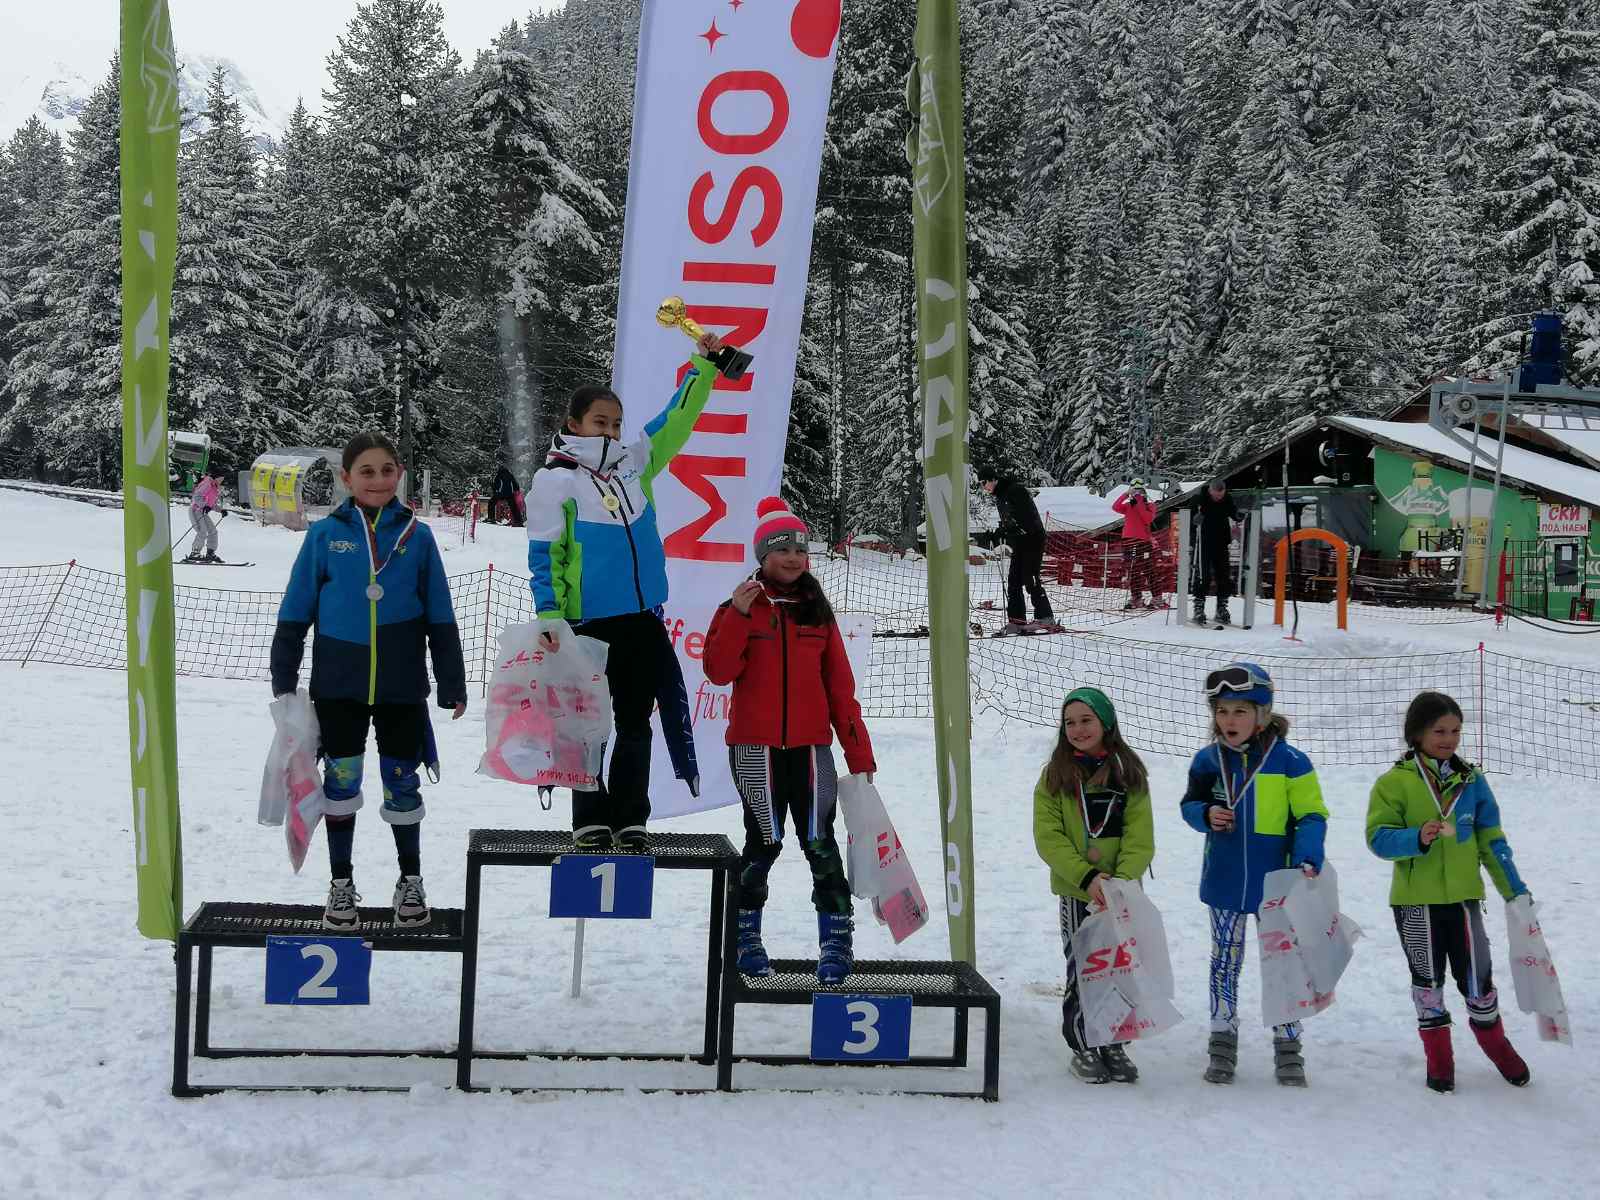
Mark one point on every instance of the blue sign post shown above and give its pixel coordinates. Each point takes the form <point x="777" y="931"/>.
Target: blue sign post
<point x="846" y="1028"/>
<point x="318" y="970"/>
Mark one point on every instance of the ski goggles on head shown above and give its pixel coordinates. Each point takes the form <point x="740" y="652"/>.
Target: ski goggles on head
<point x="1236" y="678"/>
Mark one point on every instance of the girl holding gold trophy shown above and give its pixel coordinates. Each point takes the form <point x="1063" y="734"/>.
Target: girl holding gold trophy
<point x="597" y="567"/>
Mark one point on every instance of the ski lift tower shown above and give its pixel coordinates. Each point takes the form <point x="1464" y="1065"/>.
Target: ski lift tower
<point x="1534" y="388"/>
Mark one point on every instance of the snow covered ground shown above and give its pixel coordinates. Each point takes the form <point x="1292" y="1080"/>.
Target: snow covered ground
<point x="87" y="1005"/>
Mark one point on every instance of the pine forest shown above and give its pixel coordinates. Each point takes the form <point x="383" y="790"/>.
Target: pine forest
<point x="1190" y="222"/>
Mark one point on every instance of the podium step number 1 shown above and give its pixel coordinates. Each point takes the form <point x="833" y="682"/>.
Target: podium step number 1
<point x="318" y="970"/>
<point x="610" y="887"/>
<point x="847" y="1028"/>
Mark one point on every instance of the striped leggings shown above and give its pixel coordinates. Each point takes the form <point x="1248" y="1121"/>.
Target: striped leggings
<point x="1437" y="936"/>
<point x="1227" y="957"/>
<point x="799" y="782"/>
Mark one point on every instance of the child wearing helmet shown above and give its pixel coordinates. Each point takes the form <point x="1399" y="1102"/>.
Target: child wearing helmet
<point x="1257" y="800"/>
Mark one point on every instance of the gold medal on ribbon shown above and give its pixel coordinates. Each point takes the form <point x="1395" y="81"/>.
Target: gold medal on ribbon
<point x="611" y="502"/>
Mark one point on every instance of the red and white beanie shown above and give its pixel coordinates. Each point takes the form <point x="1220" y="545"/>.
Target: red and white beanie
<point x="777" y="528"/>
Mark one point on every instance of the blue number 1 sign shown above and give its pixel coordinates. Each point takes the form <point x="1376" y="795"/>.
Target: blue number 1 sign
<point x="318" y="970"/>
<point x="604" y="886"/>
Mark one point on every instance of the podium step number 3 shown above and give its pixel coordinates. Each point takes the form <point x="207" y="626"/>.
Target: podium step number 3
<point x="318" y="970"/>
<point x="847" y="1028"/>
<point x="609" y="887"/>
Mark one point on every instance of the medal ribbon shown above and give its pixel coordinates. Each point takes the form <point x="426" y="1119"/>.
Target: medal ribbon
<point x="1091" y="832"/>
<point x="372" y="544"/>
<point x="1234" y="797"/>
<point x="1427" y="778"/>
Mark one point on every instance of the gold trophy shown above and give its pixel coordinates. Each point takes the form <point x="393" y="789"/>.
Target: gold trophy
<point x="673" y="314"/>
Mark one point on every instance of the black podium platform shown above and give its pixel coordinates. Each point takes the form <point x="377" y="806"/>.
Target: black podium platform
<point x="250" y="925"/>
<point x="672" y="852"/>
<point x="951" y="985"/>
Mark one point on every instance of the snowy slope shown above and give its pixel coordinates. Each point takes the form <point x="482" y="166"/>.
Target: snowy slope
<point x="88" y="1005"/>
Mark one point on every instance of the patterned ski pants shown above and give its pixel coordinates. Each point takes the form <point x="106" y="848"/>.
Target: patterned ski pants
<point x="800" y="781"/>
<point x="1227" y="957"/>
<point x="1439" y="935"/>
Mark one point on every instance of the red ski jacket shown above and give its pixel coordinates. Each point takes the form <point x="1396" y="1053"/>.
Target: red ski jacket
<point x="790" y="681"/>
<point x="1137" y="513"/>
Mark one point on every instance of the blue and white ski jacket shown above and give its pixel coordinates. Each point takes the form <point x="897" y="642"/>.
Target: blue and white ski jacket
<point x="1280" y="820"/>
<point x="593" y="546"/>
<point x="369" y="650"/>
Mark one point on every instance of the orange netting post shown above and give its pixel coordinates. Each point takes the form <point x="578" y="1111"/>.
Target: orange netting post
<point x="1341" y="552"/>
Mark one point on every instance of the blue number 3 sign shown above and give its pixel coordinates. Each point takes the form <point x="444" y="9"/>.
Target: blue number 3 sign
<point x="848" y="1028"/>
<point x="318" y="970"/>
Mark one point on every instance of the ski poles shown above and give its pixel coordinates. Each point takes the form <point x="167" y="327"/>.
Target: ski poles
<point x="190" y="530"/>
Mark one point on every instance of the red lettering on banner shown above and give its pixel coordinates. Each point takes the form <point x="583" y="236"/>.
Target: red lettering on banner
<point x="695" y="644"/>
<point x="759" y="274"/>
<point x="695" y="472"/>
<point x="735" y="424"/>
<point x="744" y="325"/>
<point x="731" y="82"/>
<point x="757" y="179"/>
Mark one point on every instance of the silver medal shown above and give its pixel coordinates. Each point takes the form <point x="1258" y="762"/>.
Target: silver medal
<point x="374" y="592"/>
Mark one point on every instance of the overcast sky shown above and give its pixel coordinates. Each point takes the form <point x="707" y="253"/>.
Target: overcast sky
<point x="281" y="45"/>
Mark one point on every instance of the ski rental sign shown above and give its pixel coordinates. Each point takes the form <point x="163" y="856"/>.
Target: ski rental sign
<point x="938" y="209"/>
<point x="149" y="169"/>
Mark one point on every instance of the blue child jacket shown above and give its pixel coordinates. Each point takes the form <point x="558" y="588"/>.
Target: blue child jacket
<point x="1280" y="821"/>
<point x="369" y="650"/>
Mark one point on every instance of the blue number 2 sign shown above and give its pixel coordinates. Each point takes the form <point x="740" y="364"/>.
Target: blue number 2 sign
<point x="318" y="970"/>
<point x="848" y="1028"/>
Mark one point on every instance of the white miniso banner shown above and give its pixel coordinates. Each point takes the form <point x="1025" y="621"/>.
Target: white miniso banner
<point x="729" y="108"/>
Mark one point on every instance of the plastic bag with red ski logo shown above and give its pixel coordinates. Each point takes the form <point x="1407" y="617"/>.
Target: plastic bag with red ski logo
<point x="1533" y="974"/>
<point x="291" y="785"/>
<point x="877" y="864"/>
<point x="549" y="711"/>
<point x="1125" y="982"/>
<point x="1305" y="943"/>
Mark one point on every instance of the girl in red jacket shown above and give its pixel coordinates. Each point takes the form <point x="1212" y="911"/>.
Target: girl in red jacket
<point x="775" y="640"/>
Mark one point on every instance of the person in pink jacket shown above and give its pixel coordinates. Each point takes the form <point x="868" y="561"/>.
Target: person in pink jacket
<point x="1138" y="551"/>
<point x="206" y="499"/>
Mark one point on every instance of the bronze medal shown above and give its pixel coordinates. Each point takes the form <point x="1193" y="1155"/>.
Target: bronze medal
<point x="1093" y="854"/>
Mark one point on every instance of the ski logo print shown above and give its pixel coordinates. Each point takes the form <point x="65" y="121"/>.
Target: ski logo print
<point x="342" y="547"/>
<point x="932" y="157"/>
<point x="158" y="71"/>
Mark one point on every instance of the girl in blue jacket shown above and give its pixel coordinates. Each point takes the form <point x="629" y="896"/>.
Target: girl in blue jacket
<point x="1257" y="800"/>
<point x="596" y="565"/>
<point x="370" y="578"/>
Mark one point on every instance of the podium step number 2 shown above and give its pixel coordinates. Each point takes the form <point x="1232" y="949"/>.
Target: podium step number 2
<point x="610" y="887"/>
<point x="848" y="1028"/>
<point x="318" y="970"/>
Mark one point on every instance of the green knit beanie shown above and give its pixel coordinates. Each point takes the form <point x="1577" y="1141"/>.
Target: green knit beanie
<point x="1098" y="703"/>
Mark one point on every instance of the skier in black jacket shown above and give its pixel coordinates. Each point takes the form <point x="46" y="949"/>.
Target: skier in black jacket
<point x="1023" y="531"/>
<point x="1216" y="515"/>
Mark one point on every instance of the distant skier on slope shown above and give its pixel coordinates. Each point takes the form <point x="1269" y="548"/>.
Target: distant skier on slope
<point x="206" y="499"/>
<point x="1023" y="531"/>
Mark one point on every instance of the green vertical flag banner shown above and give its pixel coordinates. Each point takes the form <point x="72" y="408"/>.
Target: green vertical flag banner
<point x="934" y="147"/>
<point x="149" y="165"/>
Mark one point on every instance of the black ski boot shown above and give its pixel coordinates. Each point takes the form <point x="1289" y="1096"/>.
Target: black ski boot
<point x="1118" y="1065"/>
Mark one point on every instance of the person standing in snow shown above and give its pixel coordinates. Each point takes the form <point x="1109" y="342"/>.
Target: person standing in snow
<point x="1217" y="517"/>
<point x="370" y="578"/>
<point x="508" y="491"/>
<point x="597" y="567"/>
<point x="1434" y="816"/>
<point x="1257" y="800"/>
<point x="776" y="642"/>
<point x="1023" y="531"/>
<point x="1138" y="546"/>
<point x="206" y="499"/>
<point x="1091" y="822"/>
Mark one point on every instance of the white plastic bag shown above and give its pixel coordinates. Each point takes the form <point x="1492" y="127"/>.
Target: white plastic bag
<point x="1305" y="942"/>
<point x="1533" y="974"/>
<point x="549" y="711"/>
<point x="291" y="785"/>
<point x="1125" y="980"/>
<point x="876" y="863"/>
